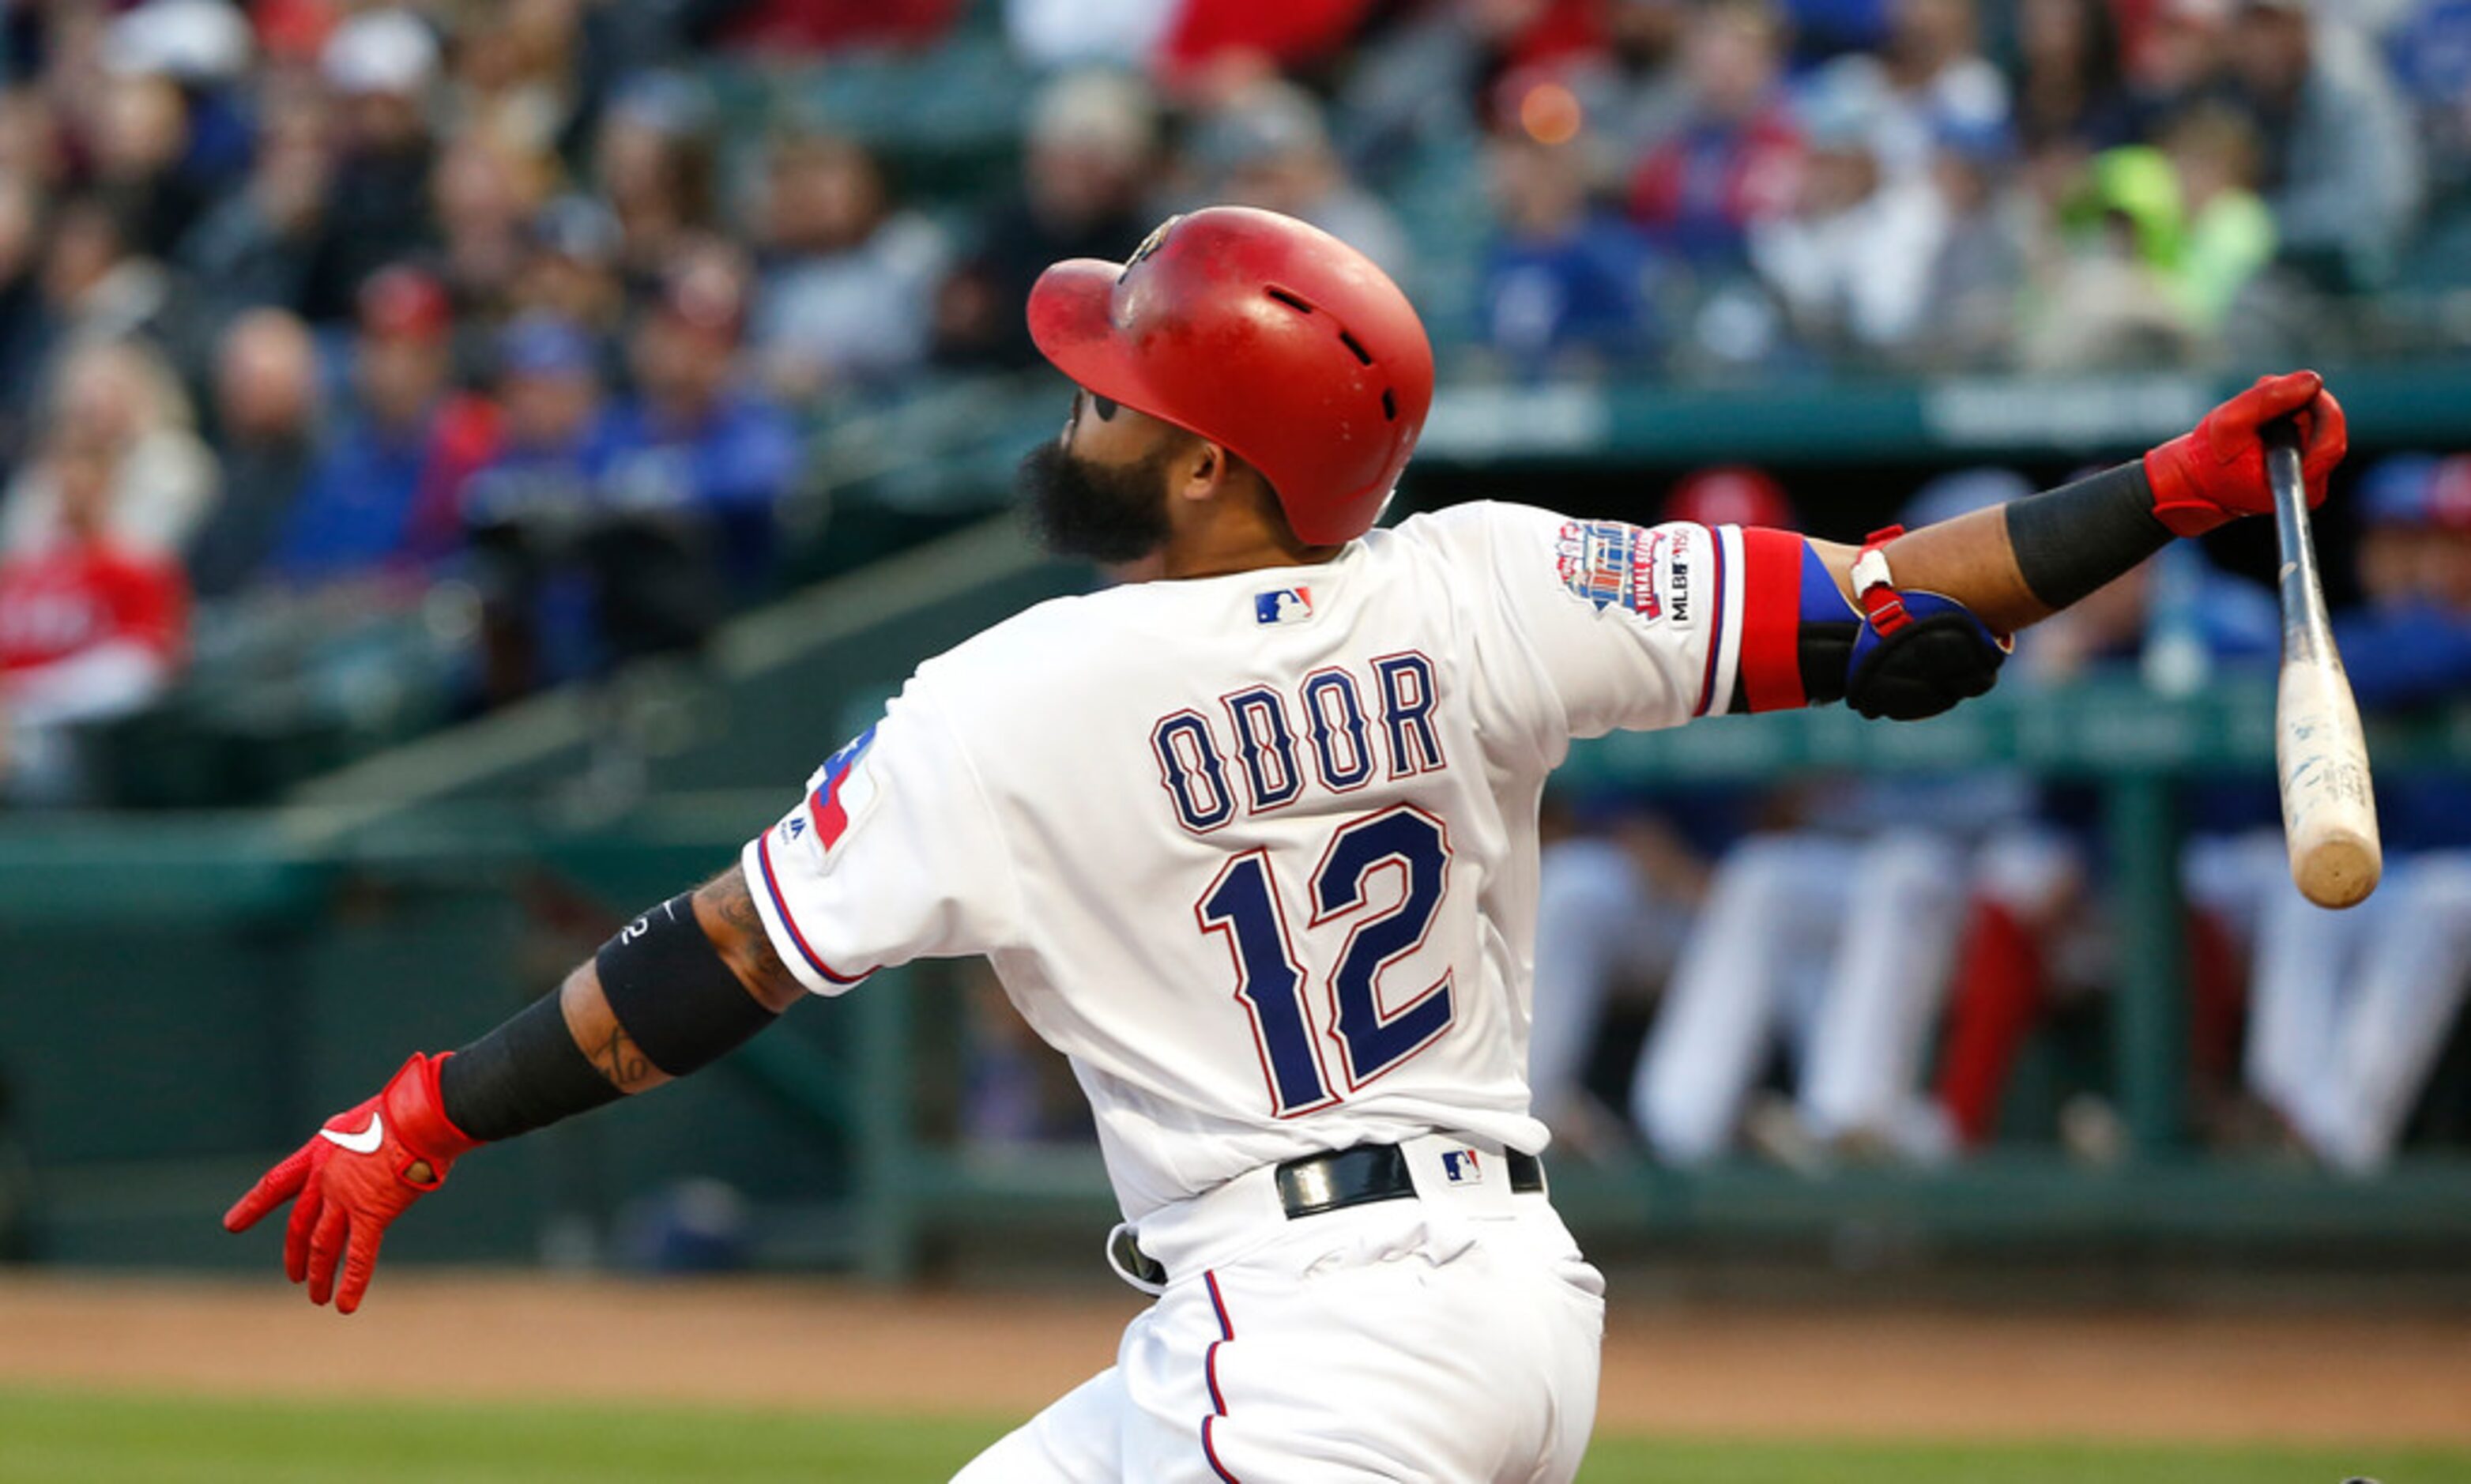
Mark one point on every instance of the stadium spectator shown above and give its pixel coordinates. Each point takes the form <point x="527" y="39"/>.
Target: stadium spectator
<point x="2431" y="55"/>
<point x="1929" y="72"/>
<point x="1092" y="142"/>
<point x="531" y="509"/>
<point x="383" y="495"/>
<point x="202" y="51"/>
<point x="382" y="64"/>
<point x="514" y="88"/>
<point x="259" y="246"/>
<point x="32" y="146"/>
<point x="90" y="628"/>
<point x="96" y="287"/>
<point x="2067" y="82"/>
<point x="654" y="162"/>
<point x="1969" y="318"/>
<point x="141" y="144"/>
<point x="202" y="45"/>
<point x="2342" y="169"/>
<point x="550" y="398"/>
<point x="2178" y="58"/>
<point x="1850" y="262"/>
<point x="25" y="327"/>
<point x="1563" y="286"/>
<point x="847" y="295"/>
<point x="2107" y="293"/>
<point x="2228" y="236"/>
<point x="487" y="196"/>
<point x="1736" y="157"/>
<point x="1651" y="73"/>
<point x="696" y="443"/>
<point x="1268" y="145"/>
<point x="118" y="399"/>
<point x="572" y="271"/>
<point x="267" y="430"/>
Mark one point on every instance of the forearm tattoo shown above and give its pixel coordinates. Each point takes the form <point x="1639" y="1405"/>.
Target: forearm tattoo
<point x="744" y="942"/>
<point x="617" y="1058"/>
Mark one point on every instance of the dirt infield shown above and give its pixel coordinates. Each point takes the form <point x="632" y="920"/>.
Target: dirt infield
<point x="825" y="1345"/>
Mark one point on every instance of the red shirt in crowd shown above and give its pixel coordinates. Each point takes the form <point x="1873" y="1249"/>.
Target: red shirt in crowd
<point x="1700" y="190"/>
<point x="80" y="596"/>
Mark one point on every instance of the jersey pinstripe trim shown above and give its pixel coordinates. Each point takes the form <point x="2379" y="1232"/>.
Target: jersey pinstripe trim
<point x="1724" y="644"/>
<point x="1210" y="1374"/>
<point x="774" y="909"/>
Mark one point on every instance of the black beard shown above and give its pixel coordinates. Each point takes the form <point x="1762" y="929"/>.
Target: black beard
<point x="1104" y="513"/>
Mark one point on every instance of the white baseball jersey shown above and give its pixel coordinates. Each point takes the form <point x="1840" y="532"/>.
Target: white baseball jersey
<point x="1257" y="851"/>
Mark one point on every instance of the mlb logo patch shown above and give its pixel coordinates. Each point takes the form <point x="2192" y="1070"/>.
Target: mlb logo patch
<point x="1459" y="1166"/>
<point x="1285" y="605"/>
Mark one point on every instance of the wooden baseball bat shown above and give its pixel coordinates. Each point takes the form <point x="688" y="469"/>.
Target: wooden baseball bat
<point x="2329" y="805"/>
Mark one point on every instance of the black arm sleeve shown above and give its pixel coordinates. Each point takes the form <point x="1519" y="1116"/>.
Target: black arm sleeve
<point x="669" y="990"/>
<point x="2077" y="537"/>
<point x="525" y="1074"/>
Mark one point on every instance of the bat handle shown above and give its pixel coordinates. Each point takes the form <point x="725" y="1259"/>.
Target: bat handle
<point x="2303" y="590"/>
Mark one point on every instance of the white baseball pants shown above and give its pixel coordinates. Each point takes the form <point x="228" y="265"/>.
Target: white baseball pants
<point x="1451" y="1338"/>
<point x="1599" y="923"/>
<point x="1845" y="943"/>
<point x="2348" y="1010"/>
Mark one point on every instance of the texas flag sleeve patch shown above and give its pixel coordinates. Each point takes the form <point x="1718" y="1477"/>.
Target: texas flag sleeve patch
<point x="840" y="790"/>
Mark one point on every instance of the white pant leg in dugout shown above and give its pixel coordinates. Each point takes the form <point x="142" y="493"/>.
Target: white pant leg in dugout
<point x="1863" y="1071"/>
<point x="1598" y="921"/>
<point x="2303" y="956"/>
<point x="2414" y="972"/>
<point x="1385" y="1342"/>
<point x="1775" y="900"/>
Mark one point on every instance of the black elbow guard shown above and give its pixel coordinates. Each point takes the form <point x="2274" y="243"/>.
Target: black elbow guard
<point x="1940" y="655"/>
<point x="1917" y="653"/>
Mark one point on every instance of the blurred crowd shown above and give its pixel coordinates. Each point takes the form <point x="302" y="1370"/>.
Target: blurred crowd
<point x="492" y="320"/>
<point x="2051" y="186"/>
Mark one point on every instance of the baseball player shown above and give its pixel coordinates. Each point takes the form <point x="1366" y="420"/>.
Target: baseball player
<point x="1254" y="843"/>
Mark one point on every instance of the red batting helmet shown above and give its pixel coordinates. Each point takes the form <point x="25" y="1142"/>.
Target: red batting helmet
<point x="1261" y="334"/>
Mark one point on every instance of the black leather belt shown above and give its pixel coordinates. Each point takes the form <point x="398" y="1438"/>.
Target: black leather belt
<point x="1357" y="1176"/>
<point x="1372" y="1172"/>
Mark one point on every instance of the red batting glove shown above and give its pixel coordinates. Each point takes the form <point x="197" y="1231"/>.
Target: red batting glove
<point x="2204" y="478"/>
<point x="354" y="1179"/>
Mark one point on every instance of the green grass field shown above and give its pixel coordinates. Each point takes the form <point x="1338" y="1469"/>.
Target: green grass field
<point x="84" y="1438"/>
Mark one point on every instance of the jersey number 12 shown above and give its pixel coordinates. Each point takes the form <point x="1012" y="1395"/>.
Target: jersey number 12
<point x="1244" y="904"/>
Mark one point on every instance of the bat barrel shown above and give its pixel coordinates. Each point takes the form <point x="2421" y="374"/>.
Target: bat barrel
<point x="2329" y="816"/>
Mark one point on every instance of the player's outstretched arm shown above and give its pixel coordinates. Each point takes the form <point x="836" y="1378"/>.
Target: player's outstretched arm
<point x="678" y="987"/>
<point x="1931" y="609"/>
<point x="2016" y="564"/>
